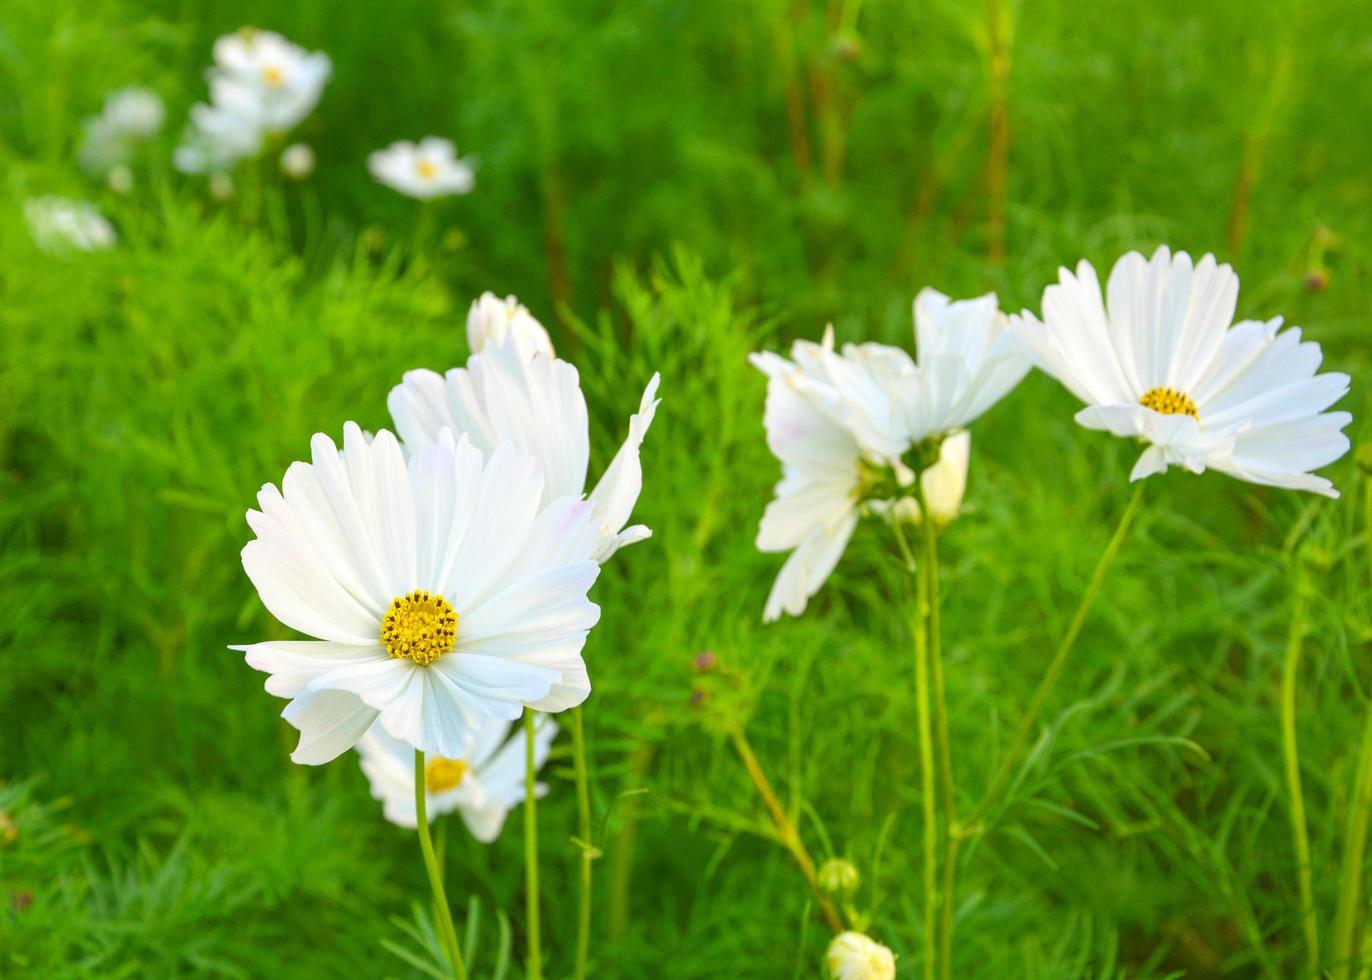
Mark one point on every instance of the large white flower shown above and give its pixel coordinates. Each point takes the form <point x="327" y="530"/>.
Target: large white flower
<point x="427" y="169"/>
<point x="483" y="785"/>
<point x="853" y="956"/>
<point x="263" y="75"/>
<point x="61" y="225"/>
<point x="443" y="592"/>
<point x="533" y="401"/>
<point x="492" y="319"/>
<point x="1160" y="358"/>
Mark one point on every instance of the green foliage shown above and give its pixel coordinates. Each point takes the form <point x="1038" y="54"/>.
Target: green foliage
<point x="643" y="189"/>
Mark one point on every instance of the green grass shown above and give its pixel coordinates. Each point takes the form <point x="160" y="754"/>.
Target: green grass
<point x="640" y="189"/>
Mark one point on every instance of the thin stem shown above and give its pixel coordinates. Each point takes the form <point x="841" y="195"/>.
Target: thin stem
<point x="1346" y="946"/>
<point x="583" y="807"/>
<point x="447" y="933"/>
<point x="1050" y="677"/>
<point x="786" y="830"/>
<point x="1291" y="755"/>
<point x="534" y="967"/>
<point x="920" y="624"/>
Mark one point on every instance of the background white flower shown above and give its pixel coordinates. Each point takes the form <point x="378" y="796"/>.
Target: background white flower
<point x="297" y="161"/>
<point x="853" y="956"/>
<point x="216" y="139"/>
<point x="62" y="225"/>
<point x="1159" y="358"/>
<point x="483" y="786"/>
<point x="277" y="82"/>
<point x="491" y="319"/>
<point x="427" y="169"/>
<point x="131" y="116"/>
<point x="442" y="592"/>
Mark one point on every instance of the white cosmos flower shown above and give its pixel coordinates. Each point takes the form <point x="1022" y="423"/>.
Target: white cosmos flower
<point x="297" y="161"/>
<point x="1160" y="358"/>
<point x="944" y="484"/>
<point x="62" y="225"/>
<point x="483" y="785"/>
<point x="130" y="116"/>
<point x="267" y="78"/>
<point x="491" y="319"/>
<point x="427" y="169"/>
<point x="443" y="591"/>
<point x="853" y="956"/>
<point x="533" y="401"/>
<point x="216" y="139"/>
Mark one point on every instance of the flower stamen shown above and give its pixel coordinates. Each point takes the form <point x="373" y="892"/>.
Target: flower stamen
<point x="441" y="775"/>
<point x="1169" y="401"/>
<point x="273" y="75"/>
<point x="426" y="169"/>
<point x="419" y="627"/>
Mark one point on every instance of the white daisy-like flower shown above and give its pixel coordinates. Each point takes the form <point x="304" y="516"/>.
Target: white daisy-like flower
<point x="944" y="484"/>
<point x="853" y="956"/>
<point x="217" y="138"/>
<point x="297" y="161"/>
<point x="130" y="116"/>
<point x="274" y="81"/>
<point x="443" y="592"/>
<point x="533" y="401"/>
<point x="62" y="225"/>
<point x="1160" y="358"/>
<point x="484" y="785"/>
<point x="492" y="319"/>
<point x="427" y="169"/>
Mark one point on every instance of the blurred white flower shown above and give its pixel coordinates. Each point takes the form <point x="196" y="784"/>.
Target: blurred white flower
<point x="216" y="140"/>
<point x="1159" y="358"/>
<point x="510" y="393"/>
<point x="852" y="956"/>
<point x="427" y="169"/>
<point x="483" y="785"/>
<point x="297" y="161"/>
<point x="274" y="81"/>
<point x="491" y="320"/>
<point x="62" y="225"/>
<point x="443" y="592"/>
<point x="130" y="117"/>
<point x="944" y="484"/>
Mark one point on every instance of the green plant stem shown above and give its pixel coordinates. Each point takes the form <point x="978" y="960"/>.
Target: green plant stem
<point x="920" y="624"/>
<point x="1050" y="677"/>
<point x="534" y="966"/>
<point x="1346" y="945"/>
<point x="447" y="932"/>
<point x="1300" y="837"/>
<point x="585" y="845"/>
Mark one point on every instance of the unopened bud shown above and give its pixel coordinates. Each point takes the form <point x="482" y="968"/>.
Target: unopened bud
<point x="839" y="878"/>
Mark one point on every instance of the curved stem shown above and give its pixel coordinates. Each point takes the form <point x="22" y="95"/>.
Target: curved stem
<point x="583" y="807"/>
<point x="447" y="932"/>
<point x="1050" y="677"/>
<point x="920" y="625"/>
<point x="1300" y="837"/>
<point x="534" y="967"/>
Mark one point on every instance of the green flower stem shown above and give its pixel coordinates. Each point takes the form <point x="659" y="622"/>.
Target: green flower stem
<point x="534" y="967"/>
<point x="1026" y="725"/>
<point x="447" y="933"/>
<point x="588" y="853"/>
<point x="920" y="625"/>
<point x="1346" y="945"/>
<point x="1300" y="837"/>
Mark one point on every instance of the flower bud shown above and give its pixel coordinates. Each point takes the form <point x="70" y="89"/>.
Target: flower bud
<point x="297" y="161"/>
<point x="705" y="661"/>
<point x="852" y="956"/>
<point x="221" y="188"/>
<point x="491" y="320"/>
<point x="839" y="878"/>
<point x="120" y="179"/>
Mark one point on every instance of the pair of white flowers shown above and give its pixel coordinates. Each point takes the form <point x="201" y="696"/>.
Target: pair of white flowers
<point x="260" y="85"/>
<point x="1156" y="357"/>
<point x="444" y="577"/>
<point x="60" y="225"/>
<point x="131" y="117"/>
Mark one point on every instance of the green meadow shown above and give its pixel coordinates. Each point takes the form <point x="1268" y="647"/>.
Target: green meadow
<point x="669" y="186"/>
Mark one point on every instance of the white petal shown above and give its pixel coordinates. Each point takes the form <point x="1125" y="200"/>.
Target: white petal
<point x="330" y="723"/>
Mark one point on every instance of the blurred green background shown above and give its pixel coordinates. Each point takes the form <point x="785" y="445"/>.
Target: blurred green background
<point x="669" y="185"/>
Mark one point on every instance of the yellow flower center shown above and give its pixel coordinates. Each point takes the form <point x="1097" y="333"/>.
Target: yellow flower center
<point x="419" y="627"/>
<point x="273" y="75"/>
<point x="426" y="169"/>
<point x="1169" y="401"/>
<point x="441" y="775"/>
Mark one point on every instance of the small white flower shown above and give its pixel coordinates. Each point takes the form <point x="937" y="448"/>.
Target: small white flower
<point x="427" y="169"/>
<point x="509" y="392"/>
<point x="1160" y="358"/>
<point x="852" y="956"/>
<point x="217" y="138"/>
<point x="130" y="116"/>
<point x="62" y="225"/>
<point x="483" y="785"/>
<point x="297" y="161"/>
<point x="491" y="320"/>
<point x="944" y="484"/>
<point x="443" y="592"/>
<point x="280" y="81"/>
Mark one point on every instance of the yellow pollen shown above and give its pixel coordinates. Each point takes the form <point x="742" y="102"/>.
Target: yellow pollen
<point x="441" y="775"/>
<point x="426" y="169"/>
<point x="1169" y="401"/>
<point x="273" y="75"/>
<point x="419" y="627"/>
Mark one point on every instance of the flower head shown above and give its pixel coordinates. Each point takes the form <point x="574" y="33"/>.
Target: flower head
<point x="443" y="592"/>
<point x="217" y="138"/>
<point x="130" y="116"/>
<point x="427" y="169"/>
<point x="297" y="161"/>
<point x="852" y="956"/>
<point x="62" y="225"/>
<point x="491" y="320"/>
<point x="1159" y="358"/>
<point x="943" y="483"/>
<point x="483" y="786"/>
<point x="276" y="82"/>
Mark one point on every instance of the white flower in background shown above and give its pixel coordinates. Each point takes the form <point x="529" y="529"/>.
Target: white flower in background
<point x="508" y="393"/>
<point x="131" y="116"/>
<point x="62" y="225"/>
<point x="275" y="82"/>
<point x="944" y="484"/>
<point x="216" y="139"/>
<point x="297" y="161"/>
<point x="427" y="169"/>
<point x="1160" y="358"/>
<point x="443" y="592"/>
<point x="483" y="785"/>
<point x="491" y="320"/>
<point x="852" y="956"/>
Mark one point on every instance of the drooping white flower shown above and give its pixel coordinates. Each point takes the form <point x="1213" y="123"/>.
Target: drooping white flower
<point x="853" y="956"/>
<point x="267" y="78"/>
<point x="62" y="225"/>
<point x="443" y="592"/>
<point x="944" y="484"/>
<point x="427" y="169"/>
<point x="535" y="402"/>
<point x="297" y="161"/>
<point x="1160" y="358"/>
<point x="130" y="116"/>
<point x="217" y="138"/>
<point x="483" y="785"/>
<point x="491" y="320"/>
